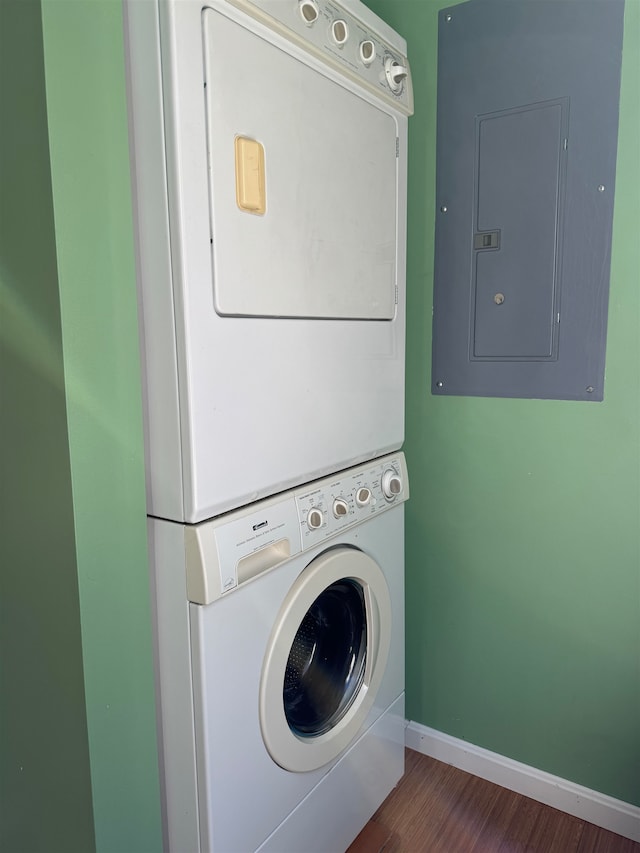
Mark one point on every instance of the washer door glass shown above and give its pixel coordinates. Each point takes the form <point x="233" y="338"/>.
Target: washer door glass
<point x="326" y="664"/>
<point x="325" y="659"/>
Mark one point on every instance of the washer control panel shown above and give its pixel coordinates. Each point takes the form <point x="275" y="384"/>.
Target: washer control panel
<point x="350" y="497"/>
<point x="337" y="36"/>
<point x="230" y="550"/>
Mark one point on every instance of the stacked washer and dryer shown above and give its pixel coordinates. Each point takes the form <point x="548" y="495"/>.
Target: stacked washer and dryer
<point x="269" y="149"/>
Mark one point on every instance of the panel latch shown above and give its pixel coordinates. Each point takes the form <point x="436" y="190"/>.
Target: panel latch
<point x="486" y="240"/>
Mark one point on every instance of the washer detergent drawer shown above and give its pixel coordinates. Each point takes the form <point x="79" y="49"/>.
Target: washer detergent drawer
<point x="302" y="182"/>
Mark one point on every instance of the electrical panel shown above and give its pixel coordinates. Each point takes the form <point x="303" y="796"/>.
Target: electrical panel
<point x="528" y="96"/>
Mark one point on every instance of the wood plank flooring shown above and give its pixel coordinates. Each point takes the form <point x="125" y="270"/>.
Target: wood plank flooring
<point x="440" y="809"/>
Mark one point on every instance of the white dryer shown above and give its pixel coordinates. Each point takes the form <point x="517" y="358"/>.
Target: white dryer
<point x="269" y="146"/>
<point x="281" y="666"/>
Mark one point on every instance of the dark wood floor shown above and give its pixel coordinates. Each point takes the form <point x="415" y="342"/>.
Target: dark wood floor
<point x="439" y="809"/>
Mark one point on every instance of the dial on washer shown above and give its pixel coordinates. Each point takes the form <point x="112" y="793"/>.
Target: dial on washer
<point x="363" y="496"/>
<point x="340" y="508"/>
<point x="391" y="484"/>
<point x="314" y="518"/>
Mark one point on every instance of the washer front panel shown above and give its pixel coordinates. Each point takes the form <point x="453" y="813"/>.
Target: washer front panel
<point x="229" y="642"/>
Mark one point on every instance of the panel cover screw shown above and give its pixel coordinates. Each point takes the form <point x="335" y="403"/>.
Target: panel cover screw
<point x="589" y="389"/>
<point x="498" y="298"/>
<point x="601" y="188"/>
<point x="443" y="208"/>
<point x="438" y="384"/>
<point x="447" y="18"/>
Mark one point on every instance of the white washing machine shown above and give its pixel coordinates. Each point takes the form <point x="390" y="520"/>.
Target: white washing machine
<point x="269" y="148"/>
<point x="280" y="637"/>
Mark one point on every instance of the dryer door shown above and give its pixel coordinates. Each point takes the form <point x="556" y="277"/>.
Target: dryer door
<point x="303" y="184"/>
<point x="325" y="659"/>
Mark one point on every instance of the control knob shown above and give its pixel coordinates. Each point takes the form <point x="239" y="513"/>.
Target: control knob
<point x="395" y="73"/>
<point x="340" y="508"/>
<point x="391" y="484"/>
<point x="314" y="518"/>
<point x="363" y="496"/>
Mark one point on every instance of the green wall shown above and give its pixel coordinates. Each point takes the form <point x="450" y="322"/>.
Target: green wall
<point x="79" y="760"/>
<point x="523" y="529"/>
<point x="45" y="786"/>
<point x="88" y="137"/>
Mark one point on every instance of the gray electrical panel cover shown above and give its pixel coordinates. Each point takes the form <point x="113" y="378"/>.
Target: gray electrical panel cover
<point x="528" y="94"/>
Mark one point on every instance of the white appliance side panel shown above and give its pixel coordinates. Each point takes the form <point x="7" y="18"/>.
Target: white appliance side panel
<point x="325" y="247"/>
<point x="264" y="404"/>
<point x="157" y="320"/>
<point x="229" y="639"/>
<point x="333" y="814"/>
<point x="174" y="691"/>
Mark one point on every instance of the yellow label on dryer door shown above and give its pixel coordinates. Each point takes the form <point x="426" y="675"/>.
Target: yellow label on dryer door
<point x="250" y="183"/>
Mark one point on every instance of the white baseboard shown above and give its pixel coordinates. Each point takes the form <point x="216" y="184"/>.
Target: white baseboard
<point x="591" y="806"/>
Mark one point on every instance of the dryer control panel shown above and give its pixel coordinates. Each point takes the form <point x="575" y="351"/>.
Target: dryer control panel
<point x="333" y="33"/>
<point x="225" y="552"/>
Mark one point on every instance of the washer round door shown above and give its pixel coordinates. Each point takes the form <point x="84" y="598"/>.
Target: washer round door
<point x="325" y="659"/>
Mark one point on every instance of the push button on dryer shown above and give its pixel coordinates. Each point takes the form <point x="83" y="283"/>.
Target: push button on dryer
<point x="309" y="12"/>
<point x="367" y="52"/>
<point x="339" y="32"/>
